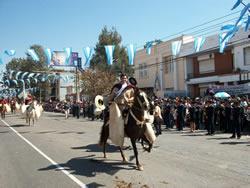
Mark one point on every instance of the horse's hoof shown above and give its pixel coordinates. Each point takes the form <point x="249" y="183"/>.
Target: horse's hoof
<point x="125" y="160"/>
<point x="140" y="167"/>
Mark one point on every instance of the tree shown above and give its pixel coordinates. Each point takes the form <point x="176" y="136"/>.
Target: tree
<point x="96" y="82"/>
<point x="120" y="63"/>
<point x="28" y="64"/>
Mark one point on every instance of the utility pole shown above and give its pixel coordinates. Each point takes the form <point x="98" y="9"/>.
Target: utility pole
<point x="76" y="84"/>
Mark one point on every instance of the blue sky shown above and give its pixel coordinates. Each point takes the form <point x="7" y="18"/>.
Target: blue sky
<point x="57" y="24"/>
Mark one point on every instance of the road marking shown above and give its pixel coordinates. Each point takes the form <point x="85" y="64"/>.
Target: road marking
<point x="81" y="184"/>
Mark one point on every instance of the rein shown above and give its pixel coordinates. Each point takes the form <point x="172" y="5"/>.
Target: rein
<point x="138" y="122"/>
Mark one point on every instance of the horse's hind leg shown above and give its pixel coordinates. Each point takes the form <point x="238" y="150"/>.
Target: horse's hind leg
<point x="144" y="139"/>
<point x="104" y="137"/>
<point x="133" y="142"/>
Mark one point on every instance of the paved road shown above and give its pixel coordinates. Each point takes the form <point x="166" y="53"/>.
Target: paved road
<point x="64" y="153"/>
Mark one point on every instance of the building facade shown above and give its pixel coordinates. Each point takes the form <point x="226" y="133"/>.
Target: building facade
<point x="191" y="73"/>
<point x="211" y="69"/>
<point x="159" y="73"/>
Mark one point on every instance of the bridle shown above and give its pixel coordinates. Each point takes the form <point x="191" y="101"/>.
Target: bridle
<point x="142" y="105"/>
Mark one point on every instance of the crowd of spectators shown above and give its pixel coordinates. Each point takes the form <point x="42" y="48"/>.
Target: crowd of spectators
<point x="229" y="115"/>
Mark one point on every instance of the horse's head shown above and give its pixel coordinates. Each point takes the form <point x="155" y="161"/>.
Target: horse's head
<point x="142" y="99"/>
<point x="35" y="102"/>
<point x="151" y="108"/>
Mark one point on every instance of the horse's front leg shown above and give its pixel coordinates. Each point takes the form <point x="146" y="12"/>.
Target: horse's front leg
<point x="124" y="159"/>
<point x="33" y="121"/>
<point x="27" y="120"/>
<point x="133" y="142"/>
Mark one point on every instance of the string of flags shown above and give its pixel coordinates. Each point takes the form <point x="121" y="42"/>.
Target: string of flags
<point x="227" y="32"/>
<point x="18" y="79"/>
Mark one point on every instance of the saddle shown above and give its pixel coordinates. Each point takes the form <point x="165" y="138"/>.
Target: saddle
<point x="29" y="108"/>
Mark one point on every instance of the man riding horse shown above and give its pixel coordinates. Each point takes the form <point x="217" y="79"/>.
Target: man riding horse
<point x="29" y="100"/>
<point x="3" y="103"/>
<point x="122" y="93"/>
<point x="128" y="115"/>
<point x="13" y="105"/>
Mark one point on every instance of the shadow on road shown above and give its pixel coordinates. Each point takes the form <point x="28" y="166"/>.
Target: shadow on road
<point x="4" y="131"/>
<point x="20" y="125"/>
<point x="220" y="138"/>
<point x="235" y="143"/>
<point x="95" y="185"/>
<point x="67" y="132"/>
<point x="193" y="134"/>
<point x="97" y="148"/>
<point x="89" y="166"/>
<point x="55" y="115"/>
<point x="23" y="132"/>
<point x="45" y="132"/>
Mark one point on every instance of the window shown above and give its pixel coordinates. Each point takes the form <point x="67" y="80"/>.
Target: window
<point x="143" y="72"/>
<point x="168" y="64"/>
<point x="206" y="63"/>
<point x="247" y="56"/>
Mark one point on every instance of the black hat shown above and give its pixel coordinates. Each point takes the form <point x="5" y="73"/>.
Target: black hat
<point x="132" y="81"/>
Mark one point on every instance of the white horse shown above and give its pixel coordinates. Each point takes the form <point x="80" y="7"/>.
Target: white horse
<point x="33" y="112"/>
<point x="30" y="115"/>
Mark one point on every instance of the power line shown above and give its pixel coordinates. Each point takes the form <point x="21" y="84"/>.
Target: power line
<point x="197" y="26"/>
<point x="179" y="58"/>
<point x="191" y="28"/>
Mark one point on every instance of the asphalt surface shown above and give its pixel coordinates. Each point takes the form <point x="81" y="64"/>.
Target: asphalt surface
<point x="64" y="153"/>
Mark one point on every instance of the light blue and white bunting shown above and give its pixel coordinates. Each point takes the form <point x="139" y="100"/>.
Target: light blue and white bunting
<point x="22" y="81"/>
<point x="68" y="52"/>
<point x="227" y="27"/>
<point x="31" y="75"/>
<point x="37" y="75"/>
<point x="15" y="82"/>
<point x="35" y="80"/>
<point x="28" y="81"/>
<point x="242" y="14"/>
<point x="10" y="52"/>
<point x="198" y="43"/>
<point x="7" y="82"/>
<point x="109" y="53"/>
<point x="238" y="2"/>
<point x="48" y="54"/>
<point x="223" y="40"/>
<point x="148" y="47"/>
<point x="24" y="74"/>
<point x="176" y="47"/>
<point x="131" y="53"/>
<point x="247" y="23"/>
<point x="33" y="54"/>
<point x="18" y="74"/>
<point x="88" y="53"/>
<point x="11" y="74"/>
<point x="1" y="61"/>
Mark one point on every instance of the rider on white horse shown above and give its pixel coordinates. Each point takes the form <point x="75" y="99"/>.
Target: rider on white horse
<point x="29" y="100"/>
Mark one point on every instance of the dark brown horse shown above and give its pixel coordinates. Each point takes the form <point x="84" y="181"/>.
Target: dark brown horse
<point x="135" y="126"/>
